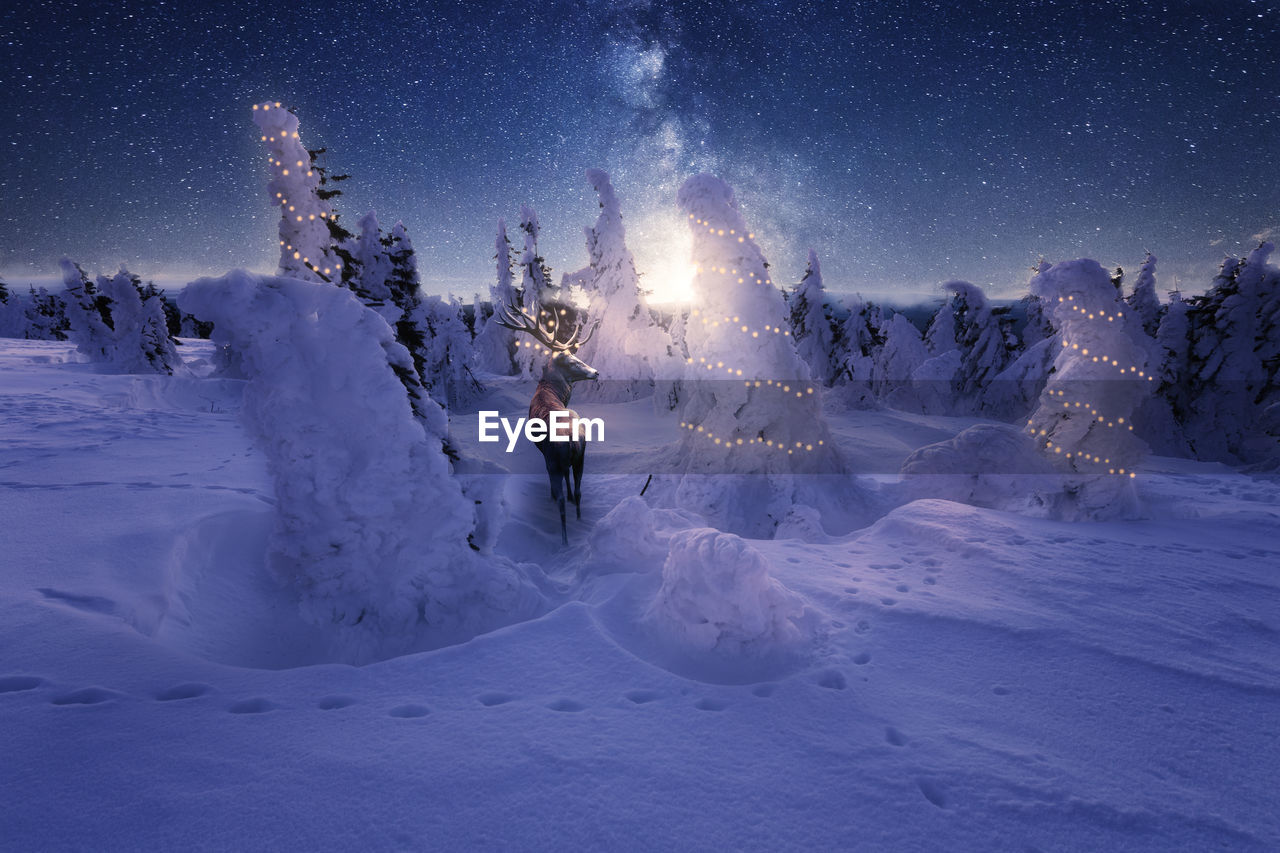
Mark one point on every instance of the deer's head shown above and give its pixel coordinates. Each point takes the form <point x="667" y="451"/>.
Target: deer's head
<point x="562" y="364"/>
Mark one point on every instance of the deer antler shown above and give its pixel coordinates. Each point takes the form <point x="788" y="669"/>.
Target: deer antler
<point x="518" y="320"/>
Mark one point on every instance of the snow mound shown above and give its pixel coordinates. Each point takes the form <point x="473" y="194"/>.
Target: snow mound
<point x="987" y="465"/>
<point x="634" y="537"/>
<point x="372" y="529"/>
<point x="717" y="595"/>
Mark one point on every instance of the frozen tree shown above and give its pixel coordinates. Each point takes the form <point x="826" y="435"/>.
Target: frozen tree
<point x="811" y="324"/>
<point x="1227" y="374"/>
<point x="140" y="339"/>
<point x="897" y="361"/>
<point x="45" y="316"/>
<point x="1084" y="422"/>
<point x="534" y="284"/>
<point x="88" y="314"/>
<point x="1159" y="419"/>
<point x="445" y="363"/>
<point x="628" y="347"/>
<point x="751" y="407"/>
<point x="979" y="337"/>
<point x="373" y="530"/>
<point x="494" y="343"/>
<point x="373" y="269"/>
<point x="855" y="348"/>
<point x="1144" y="301"/>
<point x="941" y="336"/>
<point x="13" y="319"/>
<point x="306" y="244"/>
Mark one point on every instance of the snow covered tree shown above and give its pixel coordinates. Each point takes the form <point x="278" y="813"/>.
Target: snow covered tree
<point x="897" y="361"/>
<point x="373" y="269"/>
<point x="1144" y="301"/>
<point x="140" y="339"/>
<point x="628" y="348"/>
<point x="980" y="339"/>
<point x="374" y="535"/>
<point x="13" y="320"/>
<point x="87" y="313"/>
<point x="1085" y="418"/>
<point x="445" y="362"/>
<point x="751" y="407"/>
<point x="494" y="343"/>
<point x="534" y="284"/>
<point x="856" y="348"/>
<point x="811" y="324"/>
<point x="1227" y="374"/>
<point x="306" y="244"/>
<point x="46" y="317"/>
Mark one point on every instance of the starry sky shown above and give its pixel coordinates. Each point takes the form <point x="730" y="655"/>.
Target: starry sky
<point x="908" y="143"/>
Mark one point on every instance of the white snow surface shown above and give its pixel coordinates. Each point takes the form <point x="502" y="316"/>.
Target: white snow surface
<point x="963" y="678"/>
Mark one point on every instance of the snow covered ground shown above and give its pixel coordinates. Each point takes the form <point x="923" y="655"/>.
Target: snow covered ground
<point x="952" y="678"/>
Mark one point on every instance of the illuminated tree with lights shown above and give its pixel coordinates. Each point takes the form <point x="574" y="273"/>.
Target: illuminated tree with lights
<point x="751" y="407"/>
<point x="811" y="323"/>
<point x="306" y="242"/>
<point x="1085" y="418"/>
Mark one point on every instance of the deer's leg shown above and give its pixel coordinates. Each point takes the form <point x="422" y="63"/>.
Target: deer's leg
<point x="579" y="452"/>
<point x="555" y="472"/>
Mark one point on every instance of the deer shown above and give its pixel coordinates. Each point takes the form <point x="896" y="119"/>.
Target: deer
<point x="554" y="389"/>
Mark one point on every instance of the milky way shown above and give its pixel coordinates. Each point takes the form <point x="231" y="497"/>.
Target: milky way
<point x="908" y="143"/>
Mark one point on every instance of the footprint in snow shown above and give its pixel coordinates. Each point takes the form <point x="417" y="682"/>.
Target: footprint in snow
<point x="183" y="691"/>
<point x="1000" y="690"/>
<point x="933" y="792"/>
<point x="18" y="683"/>
<point x="333" y="703"/>
<point x="894" y="736"/>
<point x="888" y="602"/>
<point x="862" y="659"/>
<point x="256" y="705"/>
<point x="902" y="587"/>
<point x="490" y="700"/>
<point x="641" y="697"/>
<point x="567" y="705"/>
<point x="409" y="712"/>
<point x="86" y="696"/>
<point x="711" y="704"/>
<point x="832" y="679"/>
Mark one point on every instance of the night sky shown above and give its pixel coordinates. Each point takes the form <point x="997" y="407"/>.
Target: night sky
<point x="907" y="142"/>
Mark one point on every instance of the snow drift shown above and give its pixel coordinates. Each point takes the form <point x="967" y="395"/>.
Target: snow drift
<point x="371" y="527"/>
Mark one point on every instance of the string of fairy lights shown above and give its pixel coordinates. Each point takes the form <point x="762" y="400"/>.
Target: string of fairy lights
<point x="735" y="322"/>
<point x="1128" y="371"/>
<point x="286" y="207"/>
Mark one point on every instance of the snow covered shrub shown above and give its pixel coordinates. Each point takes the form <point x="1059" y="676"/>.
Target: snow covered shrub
<point x="717" y="596"/>
<point x="1085" y="419"/>
<point x="988" y="465"/>
<point x="372" y="529"/>
<point x="628" y="347"/>
<point x="633" y="536"/>
<point x="750" y="407"/>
